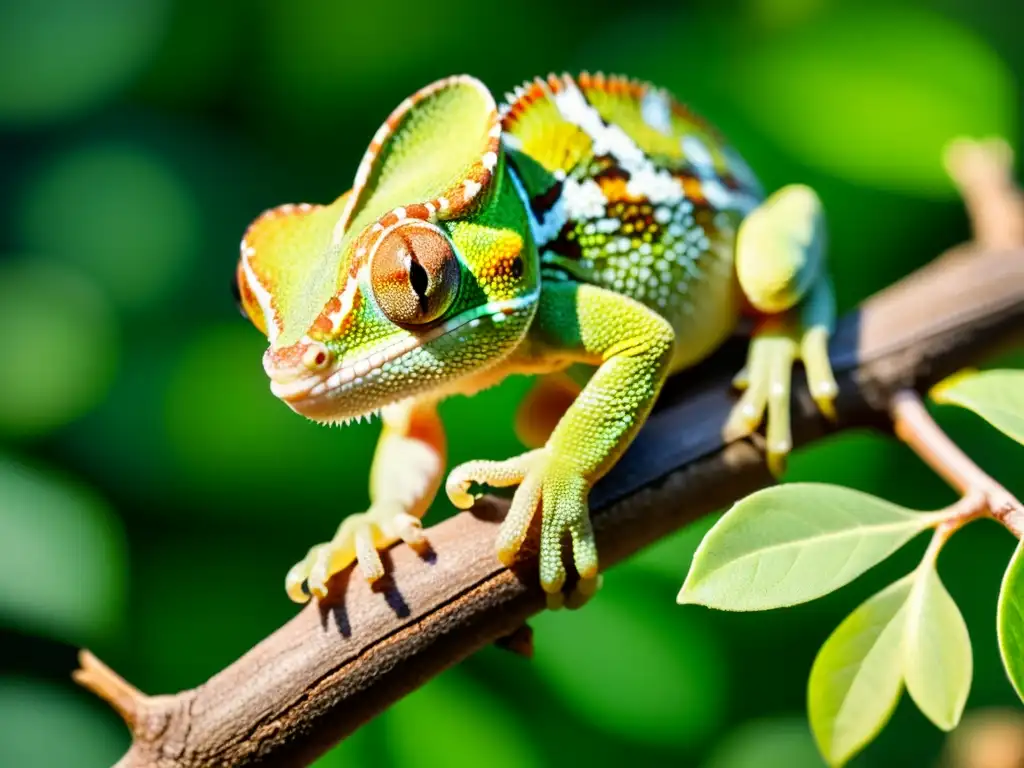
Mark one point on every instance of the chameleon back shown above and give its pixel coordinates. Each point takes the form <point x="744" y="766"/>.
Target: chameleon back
<point x="633" y="192"/>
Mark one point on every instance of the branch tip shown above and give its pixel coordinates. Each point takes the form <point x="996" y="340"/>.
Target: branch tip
<point x="93" y="675"/>
<point x="982" y="170"/>
<point x="915" y="427"/>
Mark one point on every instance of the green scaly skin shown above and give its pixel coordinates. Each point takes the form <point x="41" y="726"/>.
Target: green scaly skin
<point x="591" y="221"/>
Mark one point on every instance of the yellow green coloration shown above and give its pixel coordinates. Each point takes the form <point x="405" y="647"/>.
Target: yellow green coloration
<point x="590" y="220"/>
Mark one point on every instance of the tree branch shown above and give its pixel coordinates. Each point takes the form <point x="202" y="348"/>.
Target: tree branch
<point x="338" y="664"/>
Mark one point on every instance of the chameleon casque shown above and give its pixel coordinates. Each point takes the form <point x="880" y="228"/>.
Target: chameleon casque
<point x="590" y="220"/>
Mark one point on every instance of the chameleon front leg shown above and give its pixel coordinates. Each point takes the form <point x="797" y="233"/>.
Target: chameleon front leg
<point x="780" y="266"/>
<point x="632" y="345"/>
<point x="406" y="474"/>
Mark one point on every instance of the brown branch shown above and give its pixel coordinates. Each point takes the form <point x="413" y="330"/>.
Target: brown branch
<point x="338" y="664"/>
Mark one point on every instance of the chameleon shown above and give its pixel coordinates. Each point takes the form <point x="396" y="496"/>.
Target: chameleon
<point x="589" y="221"/>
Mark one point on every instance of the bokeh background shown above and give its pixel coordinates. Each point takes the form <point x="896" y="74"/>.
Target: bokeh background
<point x="153" y="493"/>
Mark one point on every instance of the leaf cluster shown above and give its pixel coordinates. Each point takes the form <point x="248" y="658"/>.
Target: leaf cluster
<point x="796" y="542"/>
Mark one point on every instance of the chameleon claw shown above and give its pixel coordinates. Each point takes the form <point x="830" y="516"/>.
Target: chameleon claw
<point x="295" y="582"/>
<point x="584" y="591"/>
<point x="360" y="538"/>
<point x="820" y="378"/>
<point x="499" y="474"/>
<point x="555" y="601"/>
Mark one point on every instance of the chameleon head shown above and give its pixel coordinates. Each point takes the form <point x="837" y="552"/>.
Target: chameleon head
<point x="413" y="316"/>
<point x="424" y="273"/>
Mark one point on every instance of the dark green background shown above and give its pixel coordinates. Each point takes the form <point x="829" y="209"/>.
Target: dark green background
<point x="153" y="493"/>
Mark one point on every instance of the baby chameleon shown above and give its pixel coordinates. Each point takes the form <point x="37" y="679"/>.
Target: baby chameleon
<point x="591" y="220"/>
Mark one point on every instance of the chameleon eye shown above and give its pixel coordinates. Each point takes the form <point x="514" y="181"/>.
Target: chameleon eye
<point x="414" y="273"/>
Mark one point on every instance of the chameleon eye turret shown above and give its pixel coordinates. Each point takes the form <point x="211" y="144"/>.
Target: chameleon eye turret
<point x="414" y="273"/>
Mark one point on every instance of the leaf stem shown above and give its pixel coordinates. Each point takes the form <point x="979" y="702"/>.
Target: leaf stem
<point x="915" y="426"/>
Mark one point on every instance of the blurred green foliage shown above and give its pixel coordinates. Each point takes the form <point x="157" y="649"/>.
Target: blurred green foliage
<point x="153" y="493"/>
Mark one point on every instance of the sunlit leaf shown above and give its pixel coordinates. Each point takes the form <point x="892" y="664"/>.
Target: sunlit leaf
<point x="1010" y="620"/>
<point x="872" y="94"/>
<point x="997" y="396"/>
<point x="226" y="432"/>
<point x="358" y="750"/>
<point x="61" y="359"/>
<point x="791" y="543"/>
<point x="647" y="673"/>
<point x="59" y="58"/>
<point x="858" y="674"/>
<point x="937" y="663"/>
<point x="780" y="742"/>
<point x="482" y="729"/>
<point x="62" y="558"/>
<point x="47" y="726"/>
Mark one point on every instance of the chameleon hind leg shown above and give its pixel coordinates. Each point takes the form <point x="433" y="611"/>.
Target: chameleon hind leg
<point x="407" y="471"/>
<point x="780" y="266"/>
<point x="632" y="347"/>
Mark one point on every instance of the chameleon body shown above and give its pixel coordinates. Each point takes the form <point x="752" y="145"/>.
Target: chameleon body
<point x="590" y="220"/>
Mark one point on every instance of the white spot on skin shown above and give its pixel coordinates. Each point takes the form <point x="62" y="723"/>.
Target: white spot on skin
<point x="582" y="200"/>
<point x="399" y="213"/>
<point x="697" y="154"/>
<point x="442" y="203"/>
<point x="346" y="297"/>
<point x="471" y="188"/>
<point x="721" y="197"/>
<point x="656" y="112"/>
<point x="490" y="159"/>
<point x="654" y="184"/>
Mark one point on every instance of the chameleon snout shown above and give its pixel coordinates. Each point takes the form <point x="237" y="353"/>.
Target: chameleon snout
<point x="295" y="371"/>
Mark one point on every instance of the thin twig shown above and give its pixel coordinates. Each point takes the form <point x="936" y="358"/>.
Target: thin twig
<point x="97" y="677"/>
<point x="915" y="426"/>
<point x="983" y="172"/>
<point x="338" y="664"/>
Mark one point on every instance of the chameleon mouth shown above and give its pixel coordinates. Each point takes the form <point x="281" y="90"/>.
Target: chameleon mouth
<point x="314" y="391"/>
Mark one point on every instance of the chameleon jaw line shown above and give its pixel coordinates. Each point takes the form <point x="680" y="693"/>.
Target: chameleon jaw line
<point x="321" y="387"/>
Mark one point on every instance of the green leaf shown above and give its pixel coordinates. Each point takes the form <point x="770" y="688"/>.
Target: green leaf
<point x="777" y="742"/>
<point x="44" y="725"/>
<point x="486" y="724"/>
<point x="74" y="323"/>
<point x="818" y="91"/>
<point x="857" y="676"/>
<point x="937" y="663"/>
<point x="672" y="691"/>
<point x="63" y="569"/>
<point x="996" y="396"/>
<point x="792" y="543"/>
<point x="1010" y="620"/>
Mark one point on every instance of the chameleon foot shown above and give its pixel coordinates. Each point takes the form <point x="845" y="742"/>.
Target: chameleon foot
<point x="359" y="538"/>
<point x="766" y="383"/>
<point x="562" y="495"/>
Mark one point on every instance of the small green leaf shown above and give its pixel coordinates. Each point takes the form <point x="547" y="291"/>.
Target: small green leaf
<point x="937" y="663"/>
<point x="63" y="569"/>
<point x="996" y="396"/>
<point x="792" y="543"/>
<point x="1010" y="620"/>
<point x="858" y="674"/>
